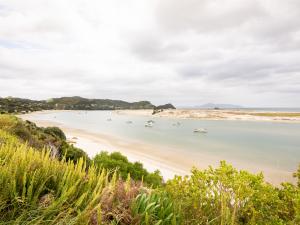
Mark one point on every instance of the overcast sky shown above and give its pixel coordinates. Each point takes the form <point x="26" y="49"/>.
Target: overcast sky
<point x="187" y="52"/>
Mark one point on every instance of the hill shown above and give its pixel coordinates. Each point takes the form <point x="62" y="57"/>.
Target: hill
<point x="160" y="108"/>
<point x="19" y="105"/>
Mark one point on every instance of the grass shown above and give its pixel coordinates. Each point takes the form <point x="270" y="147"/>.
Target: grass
<point x="269" y="114"/>
<point x="39" y="189"/>
<point x="276" y="114"/>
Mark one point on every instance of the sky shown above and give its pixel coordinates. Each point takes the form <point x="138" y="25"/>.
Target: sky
<point x="191" y="52"/>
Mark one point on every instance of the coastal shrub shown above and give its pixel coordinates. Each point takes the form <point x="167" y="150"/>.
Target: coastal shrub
<point x="36" y="187"/>
<point x="39" y="138"/>
<point x="136" y="170"/>
<point x="55" y="131"/>
<point x="297" y="175"/>
<point x="39" y="189"/>
<point x="155" y="178"/>
<point x="7" y="121"/>
<point x="227" y="196"/>
<point x="28" y="132"/>
<point x="70" y="152"/>
<point x="22" y="132"/>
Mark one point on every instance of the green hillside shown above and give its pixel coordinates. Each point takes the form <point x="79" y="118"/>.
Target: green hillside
<point x="19" y="105"/>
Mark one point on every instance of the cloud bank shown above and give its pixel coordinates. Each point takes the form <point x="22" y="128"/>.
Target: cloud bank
<point x="185" y="52"/>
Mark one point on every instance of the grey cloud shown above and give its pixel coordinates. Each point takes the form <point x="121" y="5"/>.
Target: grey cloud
<point x="185" y="52"/>
<point x="153" y="49"/>
<point x="206" y="15"/>
<point x="259" y="74"/>
<point x="191" y="71"/>
<point x="241" y="69"/>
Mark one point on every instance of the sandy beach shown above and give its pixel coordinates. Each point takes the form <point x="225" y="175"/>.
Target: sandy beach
<point x="210" y="114"/>
<point x="170" y="161"/>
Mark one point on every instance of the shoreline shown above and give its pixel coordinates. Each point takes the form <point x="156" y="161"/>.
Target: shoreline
<point x="223" y="115"/>
<point x="202" y="114"/>
<point x="93" y="143"/>
<point x="169" y="161"/>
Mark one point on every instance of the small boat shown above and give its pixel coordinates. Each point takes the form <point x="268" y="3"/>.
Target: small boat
<point x="148" y="125"/>
<point x="200" y="130"/>
<point x="129" y="122"/>
<point x="176" y="124"/>
<point x="109" y="119"/>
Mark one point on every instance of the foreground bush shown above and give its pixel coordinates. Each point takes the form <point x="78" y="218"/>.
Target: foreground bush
<point x="228" y="196"/>
<point x="39" y="189"/>
<point x="40" y="138"/>
<point x="136" y="170"/>
<point x="156" y="208"/>
<point x="71" y="153"/>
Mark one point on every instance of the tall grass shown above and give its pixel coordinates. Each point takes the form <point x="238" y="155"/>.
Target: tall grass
<point x="156" y="208"/>
<point x="39" y="189"/>
<point x="36" y="186"/>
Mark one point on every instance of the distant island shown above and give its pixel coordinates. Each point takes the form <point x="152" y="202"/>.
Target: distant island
<point x="217" y="106"/>
<point x="20" y="105"/>
<point x="160" y="108"/>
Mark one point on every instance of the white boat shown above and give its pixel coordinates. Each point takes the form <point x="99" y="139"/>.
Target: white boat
<point x="148" y="125"/>
<point x="200" y="130"/>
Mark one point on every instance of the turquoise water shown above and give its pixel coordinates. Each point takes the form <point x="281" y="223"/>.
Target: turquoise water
<point x="271" y="144"/>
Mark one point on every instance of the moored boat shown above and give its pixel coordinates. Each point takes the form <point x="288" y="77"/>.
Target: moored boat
<point x="200" y="130"/>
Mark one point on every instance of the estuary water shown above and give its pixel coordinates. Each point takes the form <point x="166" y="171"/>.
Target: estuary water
<point x="271" y="145"/>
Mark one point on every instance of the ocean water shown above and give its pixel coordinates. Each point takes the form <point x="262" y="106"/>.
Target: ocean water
<point x="269" y="144"/>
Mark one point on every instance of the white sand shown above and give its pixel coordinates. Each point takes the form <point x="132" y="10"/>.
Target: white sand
<point x="92" y="147"/>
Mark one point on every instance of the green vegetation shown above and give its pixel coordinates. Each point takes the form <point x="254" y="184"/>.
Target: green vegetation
<point x="14" y="105"/>
<point x="160" y="108"/>
<point x="228" y="196"/>
<point x="275" y="114"/>
<point x="72" y="153"/>
<point x="268" y="114"/>
<point x="19" y="105"/>
<point x="39" y="187"/>
<point x="40" y="138"/>
<point x="55" y="139"/>
<point x="136" y="170"/>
